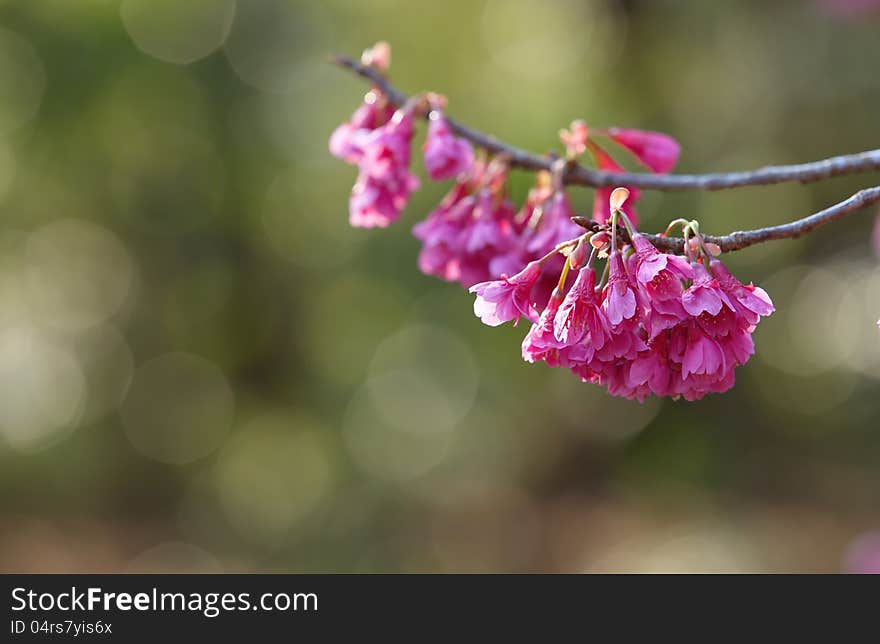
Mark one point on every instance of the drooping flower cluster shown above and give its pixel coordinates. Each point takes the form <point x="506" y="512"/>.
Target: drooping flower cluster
<point x="476" y="233"/>
<point x="653" y="323"/>
<point x="662" y="324"/>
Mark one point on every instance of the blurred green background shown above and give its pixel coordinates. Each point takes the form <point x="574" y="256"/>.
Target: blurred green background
<point x="203" y="368"/>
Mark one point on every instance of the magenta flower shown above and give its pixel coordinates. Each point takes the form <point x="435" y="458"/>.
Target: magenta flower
<point x="664" y="314"/>
<point x="751" y="302"/>
<point x="619" y="301"/>
<point x="705" y="296"/>
<point x="575" y="138"/>
<point x="387" y="149"/>
<point x="376" y="204"/>
<point x="658" y="273"/>
<point x="472" y="236"/>
<point x="507" y="299"/>
<point x="703" y="355"/>
<point x="384" y="183"/>
<point x="446" y="156"/>
<point x="540" y="343"/>
<point x="651" y="371"/>
<point x="347" y="140"/>
<point x="656" y="150"/>
<point x="554" y="226"/>
<point x="580" y="317"/>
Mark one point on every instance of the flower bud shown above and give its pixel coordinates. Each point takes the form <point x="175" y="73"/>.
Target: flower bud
<point x="578" y="257"/>
<point x="600" y="240"/>
<point x="379" y="55"/>
<point x="618" y="198"/>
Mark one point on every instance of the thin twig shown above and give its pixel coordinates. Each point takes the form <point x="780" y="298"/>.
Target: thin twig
<point x="744" y="239"/>
<point x="579" y="175"/>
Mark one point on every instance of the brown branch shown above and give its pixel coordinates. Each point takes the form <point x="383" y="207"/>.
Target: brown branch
<point x="744" y="239"/>
<point x="579" y="175"/>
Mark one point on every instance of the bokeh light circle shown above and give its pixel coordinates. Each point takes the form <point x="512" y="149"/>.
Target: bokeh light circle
<point x="813" y="329"/>
<point x="108" y="366"/>
<point x="271" y="476"/>
<point x="22" y="81"/>
<point x="271" y="39"/>
<point x="42" y="389"/>
<point x="78" y="274"/>
<point x="401" y="423"/>
<point x="179" y="408"/>
<point x="177" y="31"/>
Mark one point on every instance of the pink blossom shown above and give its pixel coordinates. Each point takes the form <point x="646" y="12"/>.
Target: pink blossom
<point x="554" y="226"/>
<point x="664" y="314"/>
<point x="507" y="299"/>
<point x="540" y="343"/>
<point x="651" y="369"/>
<point x="387" y="149"/>
<point x="472" y="236"/>
<point x="656" y="150"/>
<point x="384" y="182"/>
<point x="703" y="355"/>
<point x="704" y="295"/>
<point x="750" y="301"/>
<point x="446" y="156"/>
<point x="348" y="139"/>
<point x="376" y="204"/>
<point x="580" y="317"/>
<point x="620" y="299"/>
<point x="379" y="56"/>
<point x="658" y="273"/>
<point x="575" y="138"/>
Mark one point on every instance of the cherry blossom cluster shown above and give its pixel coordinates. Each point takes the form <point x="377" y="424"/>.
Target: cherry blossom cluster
<point x="656" y="323"/>
<point x="652" y="323"/>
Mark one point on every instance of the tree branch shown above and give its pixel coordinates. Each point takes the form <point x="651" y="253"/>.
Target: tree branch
<point x="744" y="239"/>
<point x="579" y="175"/>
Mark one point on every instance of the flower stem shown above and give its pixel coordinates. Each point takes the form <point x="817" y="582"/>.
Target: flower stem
<point x="673" y="224"/>
<point x="563" y="275"/>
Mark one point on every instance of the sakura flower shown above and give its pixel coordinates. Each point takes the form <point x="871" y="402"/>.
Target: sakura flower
<point x="619" y="301"/>
<point x="664" y="314"/>
<point x="379" y="56"/>
<point x="386" y="150"/>
<point x="384" y="182"/>
<point x="651" y="369"/>
<point x="750" y="301"/>
<point x="703" y="355"/>
<point x="376" y="204"/>
<point x="471" y="237"/>
<point x="540" y="343"/>
<point x="658" y="273"/>
<point x="575" y="138"/>
<point x="705" y="295"/>
<point x="656" y="150"/>
<point x="347" y="140"/>
<point x="554" y="226"/>
<point x="446" y="156"/>
<point x="580" y="317"/>
<point x="507" y="299"/>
